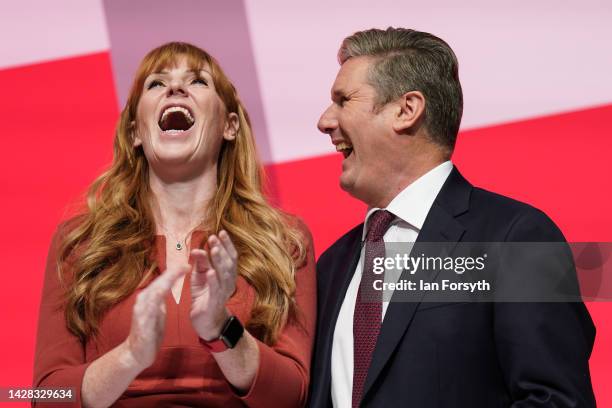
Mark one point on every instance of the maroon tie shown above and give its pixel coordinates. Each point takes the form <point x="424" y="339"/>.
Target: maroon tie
<point x="368" y="307"/>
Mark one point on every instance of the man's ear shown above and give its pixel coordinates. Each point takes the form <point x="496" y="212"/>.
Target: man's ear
<point x="232" y="125"/>
<point x="411" y="111"/>
<point x="137" y="140"/>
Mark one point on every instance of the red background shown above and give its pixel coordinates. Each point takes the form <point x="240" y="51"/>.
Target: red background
<point x="52" y="152"/>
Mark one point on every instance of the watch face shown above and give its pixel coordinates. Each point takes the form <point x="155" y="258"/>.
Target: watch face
<point x="232" y="332"/>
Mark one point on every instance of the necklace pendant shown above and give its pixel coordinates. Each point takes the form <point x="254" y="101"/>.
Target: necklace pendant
<point x="179" y="246"/>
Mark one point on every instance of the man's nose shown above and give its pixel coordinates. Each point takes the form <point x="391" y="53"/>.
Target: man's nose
<point x="327" y="122"/>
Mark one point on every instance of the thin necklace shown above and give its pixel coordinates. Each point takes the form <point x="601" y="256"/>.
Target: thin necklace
<point x="180" y="244"/>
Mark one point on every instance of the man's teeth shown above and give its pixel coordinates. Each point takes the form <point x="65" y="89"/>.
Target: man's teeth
<point x="177" y="109"/>
<point x="343" y="146"/>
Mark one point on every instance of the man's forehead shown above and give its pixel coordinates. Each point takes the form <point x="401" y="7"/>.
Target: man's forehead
<point x="353" y="73"/>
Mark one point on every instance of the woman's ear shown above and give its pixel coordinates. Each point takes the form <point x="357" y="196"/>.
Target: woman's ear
<point x="411" y="111"/>
<point x="137" y="140"/>
<point x="232" y="125"/>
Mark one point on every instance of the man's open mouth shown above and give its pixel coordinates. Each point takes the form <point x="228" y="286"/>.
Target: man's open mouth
<point x="176" y="119"/>
<point x="345" y="148"/>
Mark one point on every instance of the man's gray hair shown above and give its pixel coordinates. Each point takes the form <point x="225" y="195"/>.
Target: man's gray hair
<point x="407" y="60"/>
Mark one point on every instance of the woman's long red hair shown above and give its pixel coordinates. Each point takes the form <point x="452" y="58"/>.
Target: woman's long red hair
<point x="105" y="255"/>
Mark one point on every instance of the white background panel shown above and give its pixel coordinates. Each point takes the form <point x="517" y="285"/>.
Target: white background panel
<point x="36" y="30"/>
<point x="517" y="59"/>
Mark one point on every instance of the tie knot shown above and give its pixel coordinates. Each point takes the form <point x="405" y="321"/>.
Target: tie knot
<point x="378" y="224"/>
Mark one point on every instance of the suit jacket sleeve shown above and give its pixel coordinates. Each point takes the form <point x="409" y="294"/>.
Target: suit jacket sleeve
<point x="544" y="348"/>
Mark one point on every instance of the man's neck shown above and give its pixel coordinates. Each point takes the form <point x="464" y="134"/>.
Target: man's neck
<point x="401" y="181"/>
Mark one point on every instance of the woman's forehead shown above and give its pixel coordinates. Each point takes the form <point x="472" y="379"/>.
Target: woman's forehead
<point x="168" y="63"/>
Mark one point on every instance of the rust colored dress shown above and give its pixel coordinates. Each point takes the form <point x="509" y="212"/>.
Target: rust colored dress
<point x="184" y="373"/>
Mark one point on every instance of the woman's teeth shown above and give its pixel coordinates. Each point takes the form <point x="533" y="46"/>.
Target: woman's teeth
<point x="177" y="109"/>
<point x="176" y="119"/>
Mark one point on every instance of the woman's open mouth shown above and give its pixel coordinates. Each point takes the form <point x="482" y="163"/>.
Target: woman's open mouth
<point x="176" y="119"/>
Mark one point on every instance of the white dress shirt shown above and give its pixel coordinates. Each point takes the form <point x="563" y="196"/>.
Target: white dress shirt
<point x="411" y="207"/>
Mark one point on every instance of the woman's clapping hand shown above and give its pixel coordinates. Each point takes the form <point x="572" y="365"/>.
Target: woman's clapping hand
<point x="149" y="317"/>
<point x="213" y="281"/>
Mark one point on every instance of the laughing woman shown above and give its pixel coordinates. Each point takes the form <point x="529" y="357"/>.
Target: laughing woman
<point x="179" y="285"/>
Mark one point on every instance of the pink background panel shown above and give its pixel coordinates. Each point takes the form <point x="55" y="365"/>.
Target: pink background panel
<point x="517" y="59"/>
<point x="36" y="30"/>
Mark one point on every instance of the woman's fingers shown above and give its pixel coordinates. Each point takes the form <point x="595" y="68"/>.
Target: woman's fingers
<point x="213" y="284"/>
<point x="229" y="245"/>
<point x="223" y="261"/>
<point x="163" y="283"/>
<point x="149" y="316"/>
<point x="201" y="263"/>
<point x="220" y="258"/>
<point x="213" y="281"/>
<point x="150" y="302"/>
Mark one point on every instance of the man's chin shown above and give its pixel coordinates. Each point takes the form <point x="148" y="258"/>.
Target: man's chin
<point x="359" y="192"/>
<point x="348" y="185"/>
<point x="345" y="183"/>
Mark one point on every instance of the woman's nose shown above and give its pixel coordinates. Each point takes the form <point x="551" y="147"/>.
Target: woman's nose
<point x="177" y="88"/>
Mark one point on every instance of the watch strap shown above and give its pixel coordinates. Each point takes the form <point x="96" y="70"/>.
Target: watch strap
<point x="215" y="346"/>
<point x="230" y="335"/>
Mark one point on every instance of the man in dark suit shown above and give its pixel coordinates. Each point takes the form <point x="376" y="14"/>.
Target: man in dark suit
<point x="395" y="113"/>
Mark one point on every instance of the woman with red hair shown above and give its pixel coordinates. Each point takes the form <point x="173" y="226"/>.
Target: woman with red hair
<point x="179" y="284"/>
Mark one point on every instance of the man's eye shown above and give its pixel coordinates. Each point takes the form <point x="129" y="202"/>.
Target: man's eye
<point x="200" y="80"/>
<point x="342" y="101"/>
<point x="154" y="83"/>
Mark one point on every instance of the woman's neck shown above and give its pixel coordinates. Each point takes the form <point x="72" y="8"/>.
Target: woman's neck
<point x="179" y="207"/>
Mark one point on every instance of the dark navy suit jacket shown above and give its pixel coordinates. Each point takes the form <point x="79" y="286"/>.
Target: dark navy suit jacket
<point x="463" y="354"/>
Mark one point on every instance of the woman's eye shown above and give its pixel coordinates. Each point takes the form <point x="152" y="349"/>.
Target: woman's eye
<point x="154" y="83"/>
<point x="199" y="81"/>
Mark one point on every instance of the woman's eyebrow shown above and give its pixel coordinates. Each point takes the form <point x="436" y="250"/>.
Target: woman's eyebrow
<point x="202" y="70"/>
<point x="191" y="71"/>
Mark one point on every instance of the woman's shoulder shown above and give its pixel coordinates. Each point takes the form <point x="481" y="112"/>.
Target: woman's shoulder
<point x="297" y="224"/>
<point x="302" y="243"/>
<point x="68" y="225"/>
<point x="63" y="232"/>
<point x="295" y="221"/>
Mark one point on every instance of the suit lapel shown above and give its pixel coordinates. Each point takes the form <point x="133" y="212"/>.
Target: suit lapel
<point x="440" y="225"/>
<point x="341" y="279"/>
<point x="341" y="273"/>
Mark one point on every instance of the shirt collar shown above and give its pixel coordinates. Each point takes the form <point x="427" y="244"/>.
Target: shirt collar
<point x="413" y="203"/>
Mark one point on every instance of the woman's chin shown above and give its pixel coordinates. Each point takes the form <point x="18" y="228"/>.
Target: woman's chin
<point x="171" y="156"/>
<point x="170" y="147"/>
